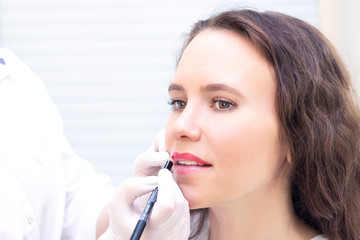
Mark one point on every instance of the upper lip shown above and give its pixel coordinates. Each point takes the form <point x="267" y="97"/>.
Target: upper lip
<point x="187" y="157"/>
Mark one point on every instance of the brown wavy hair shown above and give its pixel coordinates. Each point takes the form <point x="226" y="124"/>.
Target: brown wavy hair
<point x="318" y="113"/>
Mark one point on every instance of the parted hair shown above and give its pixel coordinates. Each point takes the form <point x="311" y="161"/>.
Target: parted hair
<point x="318" y="113"/>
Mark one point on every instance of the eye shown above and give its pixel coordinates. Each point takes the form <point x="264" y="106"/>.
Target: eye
<point x="177" y="104"/>
<point x="223" y="104"/>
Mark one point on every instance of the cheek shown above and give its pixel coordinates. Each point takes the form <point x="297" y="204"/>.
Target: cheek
<point x="251" y="141"/>
<point x="169" y="140"/>
<point x="229" y="144"/>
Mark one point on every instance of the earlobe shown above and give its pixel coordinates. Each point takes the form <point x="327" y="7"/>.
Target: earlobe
<point x="288" y="158"/>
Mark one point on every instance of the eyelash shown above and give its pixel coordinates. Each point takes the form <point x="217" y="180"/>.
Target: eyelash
<point x="213" y="102"/>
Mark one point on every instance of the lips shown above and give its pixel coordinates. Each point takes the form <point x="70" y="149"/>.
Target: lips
<point x="187" y="159"/>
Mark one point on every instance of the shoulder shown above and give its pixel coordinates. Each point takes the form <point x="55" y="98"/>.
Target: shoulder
<point x="319" y="237"/>
<point x="5" y="51"/>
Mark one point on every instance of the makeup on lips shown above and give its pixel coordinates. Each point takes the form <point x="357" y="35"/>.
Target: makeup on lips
<point x="186" y="163"/>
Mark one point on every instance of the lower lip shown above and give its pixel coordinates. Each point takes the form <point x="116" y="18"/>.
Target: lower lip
<point x="186" y="169"/>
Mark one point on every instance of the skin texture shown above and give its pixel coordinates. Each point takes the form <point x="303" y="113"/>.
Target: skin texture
<point x="223" y="95"/>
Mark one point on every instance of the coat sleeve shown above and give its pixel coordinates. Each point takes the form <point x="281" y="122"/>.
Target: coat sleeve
<point x="32" y="121"/>
<point x="87" y="192"/>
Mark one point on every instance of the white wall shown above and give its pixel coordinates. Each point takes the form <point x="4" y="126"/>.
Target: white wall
<point x="107" y="64"/>
<point x="340" y="22"/>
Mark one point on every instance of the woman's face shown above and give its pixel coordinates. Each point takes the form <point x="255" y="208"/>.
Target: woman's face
<point x="223" y="131"/>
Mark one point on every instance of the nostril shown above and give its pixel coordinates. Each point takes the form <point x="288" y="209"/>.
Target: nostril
<point x="184" y="136"/>
<point x="190" y="136"/>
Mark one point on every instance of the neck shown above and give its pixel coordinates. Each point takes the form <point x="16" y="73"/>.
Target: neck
<point x="270" y="216"/>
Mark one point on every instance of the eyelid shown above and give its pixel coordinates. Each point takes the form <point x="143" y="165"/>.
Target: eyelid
<point x="173" y="100"/>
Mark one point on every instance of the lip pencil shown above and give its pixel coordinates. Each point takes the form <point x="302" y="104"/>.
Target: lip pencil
<point x="140" y="226"/>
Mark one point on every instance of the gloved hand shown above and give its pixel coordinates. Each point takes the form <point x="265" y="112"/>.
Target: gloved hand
<point x="169" y="220"/>
<point x="150" y="162"/>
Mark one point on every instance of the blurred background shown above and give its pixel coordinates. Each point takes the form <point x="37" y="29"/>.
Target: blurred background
<point x="107" y="63"/>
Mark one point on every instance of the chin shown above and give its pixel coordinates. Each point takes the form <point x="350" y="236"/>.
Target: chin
<point x="194" y="197"/>
<point x="193" y="205"/>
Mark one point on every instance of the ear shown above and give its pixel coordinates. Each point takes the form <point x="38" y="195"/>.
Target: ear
<point x="288" y="158"/>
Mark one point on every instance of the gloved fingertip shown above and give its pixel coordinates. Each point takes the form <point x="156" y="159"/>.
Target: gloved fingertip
<point x="163" y="155"/>
<point x="164" y="173"/>
<point x="160" y="140"/>
<point x="133" y="188"/>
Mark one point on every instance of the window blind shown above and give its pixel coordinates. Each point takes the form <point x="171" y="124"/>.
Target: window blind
<point x="107" y="64"/>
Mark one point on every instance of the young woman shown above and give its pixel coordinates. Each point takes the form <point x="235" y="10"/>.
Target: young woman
<point x="264" y="132"/>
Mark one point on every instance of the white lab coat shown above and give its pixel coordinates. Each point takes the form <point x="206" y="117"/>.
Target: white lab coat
<point x="47" y="192"/>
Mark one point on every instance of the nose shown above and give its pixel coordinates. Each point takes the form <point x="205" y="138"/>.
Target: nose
<point x="185" y="126"/>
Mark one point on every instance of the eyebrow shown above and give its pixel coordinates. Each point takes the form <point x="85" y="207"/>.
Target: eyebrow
<point x="221" y="87"/>
<point x="208" y="88"/>
<point x="175" y="87"/>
